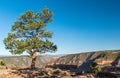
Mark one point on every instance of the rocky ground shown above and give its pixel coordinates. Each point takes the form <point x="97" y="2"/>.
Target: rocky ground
<point x="52" y="73"/>
<point x="40" y="73"/>
<point x="68" y="66"/>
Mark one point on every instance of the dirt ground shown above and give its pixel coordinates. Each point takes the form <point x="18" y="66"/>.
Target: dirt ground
<point x="38" y="73"/>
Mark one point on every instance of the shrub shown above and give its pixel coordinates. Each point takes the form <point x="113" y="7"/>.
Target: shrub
<point x="57" y="71"/>
<point x="2" y="63"/>
<point x="94" y="68"/>
<point x="48" y="71"/>
<point x="94" y="64"/>
<point x="97" y="70"/>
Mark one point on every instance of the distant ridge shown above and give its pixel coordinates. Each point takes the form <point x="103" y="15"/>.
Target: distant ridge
<point x="85" y="59"/>
<point x="81" y="60"/>
<point x="94" y="51"/>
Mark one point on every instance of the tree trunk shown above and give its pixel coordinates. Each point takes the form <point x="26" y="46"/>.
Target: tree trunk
<point x="34" y="56"/>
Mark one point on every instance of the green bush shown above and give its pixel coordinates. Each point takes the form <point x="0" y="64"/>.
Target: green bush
<point x="97" y="70"/>
<point x="2" y="63"/>
<point x="48" y="71"/>
<point x="94" y="68"/>
<point x="94" y="64"/>
<point x="57" y="71"/>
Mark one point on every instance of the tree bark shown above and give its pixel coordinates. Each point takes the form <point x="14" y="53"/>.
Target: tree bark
<point x="34" y="56"/>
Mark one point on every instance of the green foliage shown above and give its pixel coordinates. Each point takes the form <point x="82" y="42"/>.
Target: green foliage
<point x="94" y="68"/>
<point x="57" y="71"/>
<point x="2" y="63"/>
<point x="29" y="33"/>
<point x="48" y="71"/>
<point x="94" y="64"/>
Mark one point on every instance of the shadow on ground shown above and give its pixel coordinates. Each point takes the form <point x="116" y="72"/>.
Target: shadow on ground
<point x="29" y="73"/>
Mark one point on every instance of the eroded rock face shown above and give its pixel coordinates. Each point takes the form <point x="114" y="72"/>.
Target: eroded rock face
<point x="25" y="61"/>
<point x="103" y="62"/>
<point x="84" y="60"/>
<point x="52" y="61"/>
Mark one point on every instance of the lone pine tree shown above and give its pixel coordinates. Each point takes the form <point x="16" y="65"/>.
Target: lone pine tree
<point x="29" y="35"/>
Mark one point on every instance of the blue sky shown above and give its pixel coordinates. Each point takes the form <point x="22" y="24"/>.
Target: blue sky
<point x="78" y="26"/>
